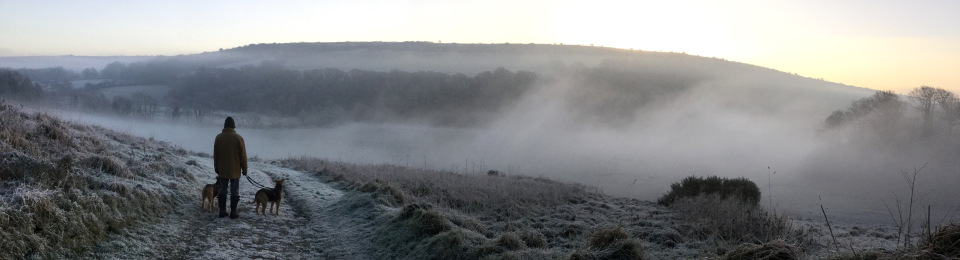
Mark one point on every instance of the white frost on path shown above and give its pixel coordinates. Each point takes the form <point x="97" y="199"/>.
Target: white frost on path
<point x="307" y="227"/>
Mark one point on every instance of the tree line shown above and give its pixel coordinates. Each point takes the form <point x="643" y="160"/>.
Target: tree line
<point x="887" y="114"/>
<point x="323" y="96"/>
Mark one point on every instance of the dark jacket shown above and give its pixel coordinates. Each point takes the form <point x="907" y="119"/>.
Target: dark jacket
<point x="229" y="154"/>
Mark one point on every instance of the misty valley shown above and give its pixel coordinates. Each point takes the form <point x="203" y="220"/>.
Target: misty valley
<point x="593" y="129"/>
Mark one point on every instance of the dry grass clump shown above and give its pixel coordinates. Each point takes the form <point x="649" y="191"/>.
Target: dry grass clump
<point x="511" y="241"/>
<point x="107" y="165"/>
<point x="534" y="239"/>
<point x="16" y="166"/>
<point x="51" y="128"/>
<point x="774" y="250"/>
<point x="53" y="204"/>
<point x="423" y="220"/>
<point x="731" y="221"/>
<point x="386" y="194"/>
<point x="945" y="243"/>
<point x="611" y="243"/>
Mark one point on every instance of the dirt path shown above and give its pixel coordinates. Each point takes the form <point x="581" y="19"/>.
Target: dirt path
<point x="310" y="225"/>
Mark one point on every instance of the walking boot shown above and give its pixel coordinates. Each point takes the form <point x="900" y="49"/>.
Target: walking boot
<point x="233" y="206"/>
<point x="222" y="203"/>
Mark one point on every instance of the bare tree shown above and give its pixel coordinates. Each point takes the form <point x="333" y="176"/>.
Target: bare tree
<point x="924" y="98"/>
<point x="946" y="100"/>
<point x="144" y="104"/>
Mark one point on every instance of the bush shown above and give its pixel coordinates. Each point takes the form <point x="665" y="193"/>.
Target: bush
<point x="692" y="186"/>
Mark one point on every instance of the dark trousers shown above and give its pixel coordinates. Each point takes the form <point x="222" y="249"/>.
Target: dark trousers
<point x="234" y="188"/>
<point x="234" y="196"/>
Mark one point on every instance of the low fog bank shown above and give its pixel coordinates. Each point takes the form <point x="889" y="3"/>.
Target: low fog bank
<point x="69" y="62"/>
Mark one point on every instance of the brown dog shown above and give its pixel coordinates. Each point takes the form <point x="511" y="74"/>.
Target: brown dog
<point x="272" y="195"/>
<point x="209" y="192"/>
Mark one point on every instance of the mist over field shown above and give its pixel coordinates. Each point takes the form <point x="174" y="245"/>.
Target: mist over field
<point x="581" y="119"/>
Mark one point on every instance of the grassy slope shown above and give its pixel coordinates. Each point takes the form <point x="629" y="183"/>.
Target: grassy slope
<point x="454" y="216"/>
<point x="64" y="186"/>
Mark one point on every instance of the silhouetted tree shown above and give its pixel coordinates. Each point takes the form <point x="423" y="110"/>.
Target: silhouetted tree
<point x="90" y="73"/>
<point x="926" y="99"/>
<point x="885" y="105"/>
<point x="14" y="84"/>
<point x="113" y="70"/>
<point x="946" y="100"/>
<point x="143" y="104"/>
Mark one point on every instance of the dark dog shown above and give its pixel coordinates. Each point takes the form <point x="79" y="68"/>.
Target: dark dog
<point x="209" y="192"/>
<point x="269" y="195"/>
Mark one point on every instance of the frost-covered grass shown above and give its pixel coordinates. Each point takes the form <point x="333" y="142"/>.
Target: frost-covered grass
<point x="444" y="215"/>
<point x="64" y="187"/>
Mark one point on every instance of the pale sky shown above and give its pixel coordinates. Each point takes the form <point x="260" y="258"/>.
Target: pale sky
<point x="878" y="44"/>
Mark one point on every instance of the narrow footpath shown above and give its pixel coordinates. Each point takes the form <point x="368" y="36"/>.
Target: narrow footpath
<point x="311" y="225"/>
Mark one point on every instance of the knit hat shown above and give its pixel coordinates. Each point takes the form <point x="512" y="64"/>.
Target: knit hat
<point x="229" y="123"/>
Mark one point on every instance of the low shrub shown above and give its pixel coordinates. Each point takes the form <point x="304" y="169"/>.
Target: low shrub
<point x="740" y="188"/>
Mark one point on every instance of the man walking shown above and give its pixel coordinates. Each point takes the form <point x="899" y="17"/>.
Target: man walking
<point x="229" y="161"/>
